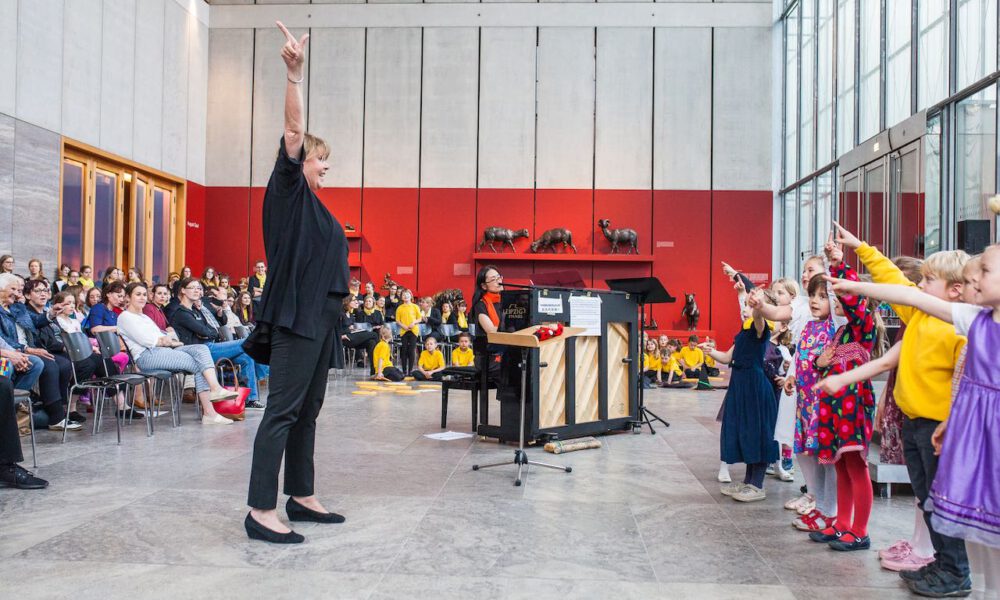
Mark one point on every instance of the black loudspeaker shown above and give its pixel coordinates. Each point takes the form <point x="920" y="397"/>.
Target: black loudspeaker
<point x="973" y="235"/>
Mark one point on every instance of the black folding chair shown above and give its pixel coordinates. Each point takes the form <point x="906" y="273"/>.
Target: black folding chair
<point x="78" y="348"/>
<point x="24" y="397"/>
<point x="110" y="345"/>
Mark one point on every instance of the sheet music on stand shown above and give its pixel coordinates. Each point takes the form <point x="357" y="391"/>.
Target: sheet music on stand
<point x="585" y="311"/>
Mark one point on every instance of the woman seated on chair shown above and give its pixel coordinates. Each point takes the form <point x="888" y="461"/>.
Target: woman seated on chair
<point x="104" y="316"/>
<point x="368" y="313"/>
<point x="193" y="326"/>
<point x="153" y="350"/>
<point x="459" y="317"/>
<point x="353" y="336"/>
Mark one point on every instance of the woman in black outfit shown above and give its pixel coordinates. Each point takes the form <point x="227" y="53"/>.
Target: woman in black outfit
<point x="302" y="300"/>
<point x="369" y="314"/>
<point x="351" y="336"/>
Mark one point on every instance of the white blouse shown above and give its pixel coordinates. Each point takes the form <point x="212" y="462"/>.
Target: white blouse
<point x="139" y="332"/>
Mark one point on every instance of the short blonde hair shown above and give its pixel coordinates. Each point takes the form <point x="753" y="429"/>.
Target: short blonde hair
<point x="946" y="265"/>
<point x="791" y="286"/>
<point x="315" y="146"/>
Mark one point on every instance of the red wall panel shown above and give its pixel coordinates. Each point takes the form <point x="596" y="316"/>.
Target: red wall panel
<point x="741" y="236"/>
<point x="682" y="230"/>
<point x="390" y="218"/>
<point x="194" y="226"/>
<point x="572" y="209"/>
<point x="256" y="242"/>
<point x="627" y="209"/>
<point x="510" y="208"/>
<point x="446" y="240"/>
<point x="227" y="229"/>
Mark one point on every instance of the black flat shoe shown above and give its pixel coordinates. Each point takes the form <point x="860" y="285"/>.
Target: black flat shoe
<point x="16" y="476"/>
<point x="297" y="512"/>
<point x="256" y="531"/>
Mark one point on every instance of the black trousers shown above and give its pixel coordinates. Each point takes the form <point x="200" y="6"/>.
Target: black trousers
<point x="10" y="438"/>
<point x="299" y="370"/>
<point x="407" y="351"/>
<point x="416" y="374"/>
<point x="363" y="339"/>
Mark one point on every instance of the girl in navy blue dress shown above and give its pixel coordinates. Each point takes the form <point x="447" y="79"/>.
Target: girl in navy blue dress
<point x="751" y="408"/>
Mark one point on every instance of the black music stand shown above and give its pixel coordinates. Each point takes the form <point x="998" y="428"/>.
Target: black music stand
<point x="648" y="290"/>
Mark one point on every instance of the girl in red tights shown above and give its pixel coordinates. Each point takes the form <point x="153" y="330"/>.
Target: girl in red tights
<point x="846" y="415"/>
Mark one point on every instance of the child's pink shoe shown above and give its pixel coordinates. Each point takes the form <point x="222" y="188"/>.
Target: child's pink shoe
<point x="910" y="562"/>
<point x="897" y="551"/>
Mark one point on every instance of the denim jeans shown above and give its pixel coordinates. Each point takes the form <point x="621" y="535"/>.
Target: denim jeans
<point x="234" y="351"/>
<point x="949" y="552"/>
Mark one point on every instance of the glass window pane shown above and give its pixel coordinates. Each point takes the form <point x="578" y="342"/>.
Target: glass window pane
<point x="977" y="40"/>
<point x="72" y="214"/>
<point x="932" y="186"/>
<point x="807" y="220"/>
<point x="824" y="84"/>
<point x="875" y="213"/>
<point x="870" y="94"/>
<point x="139" y="226"/>
<point x="932" y="52"/>
<point x="845" y="76"/>
<point x="850" y="212"/>
<point x="105" y="224"/>
<point x="897" y="61"/>
<point x="789" y="221"/>
<point x="791" y="96"/>
<point x="161" y="235"/>
<point x="824" y="208"/>
<point x="976" y="156"/>
<point x="806" y="89"/>
<point x="908" y="226"/>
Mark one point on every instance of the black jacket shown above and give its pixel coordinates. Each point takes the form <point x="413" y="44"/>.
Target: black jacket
<point x="192" y="327"/>
<point x="375" y="318"/>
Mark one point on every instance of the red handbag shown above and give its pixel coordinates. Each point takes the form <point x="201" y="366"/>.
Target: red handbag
<point x="233" y="408"/>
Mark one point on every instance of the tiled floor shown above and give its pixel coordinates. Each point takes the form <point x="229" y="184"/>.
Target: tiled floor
<point x="642" y="517"/>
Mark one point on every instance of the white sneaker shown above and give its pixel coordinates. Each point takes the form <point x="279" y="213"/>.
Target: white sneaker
<point x="770" y="469"/>
<point x="749" y="493"/>
<point x="783" y="475"/>
<point x="68" y="427"/>
<point x="216" y="420"/>
<point x="723" y="475"/>
<point x="801" y="501"/>
<point x="731" y="489"/>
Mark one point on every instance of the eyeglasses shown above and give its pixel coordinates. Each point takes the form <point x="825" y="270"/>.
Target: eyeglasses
<point x="493" y="279"/>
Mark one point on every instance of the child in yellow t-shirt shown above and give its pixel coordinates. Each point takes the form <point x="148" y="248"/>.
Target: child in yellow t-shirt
<point x="651" y="364"/>
<point x="462" y="356"/>
<point x="670" y="365"/>
<point x="710" y="368"/>
<point x="408" y="316"/>
<point x="431" y="362"/>
<point x="382" y="358"/>
<point x="692" y="358"/>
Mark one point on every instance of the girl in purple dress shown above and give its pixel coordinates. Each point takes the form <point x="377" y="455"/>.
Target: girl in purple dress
<point x="965" y="495"/>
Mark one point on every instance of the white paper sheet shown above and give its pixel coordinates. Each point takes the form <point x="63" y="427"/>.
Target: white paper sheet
<point x="550" y="306"/>
<point x="447" y="436"/>
<point x="585" y="311"/>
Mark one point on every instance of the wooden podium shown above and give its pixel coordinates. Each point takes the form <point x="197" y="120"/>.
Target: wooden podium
<point x="553" y="351"/>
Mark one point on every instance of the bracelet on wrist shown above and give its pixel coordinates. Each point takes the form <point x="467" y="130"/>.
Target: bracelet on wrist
<point x="299" y="80"/>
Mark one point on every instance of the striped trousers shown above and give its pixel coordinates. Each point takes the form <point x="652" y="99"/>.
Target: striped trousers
<point x="193" y="359"/>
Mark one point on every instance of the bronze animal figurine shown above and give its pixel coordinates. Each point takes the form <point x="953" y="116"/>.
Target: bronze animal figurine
<point x="619" y="236"/>
<point x="388" y="282"/>
<point x="691" y="311"/>
<point x="549" y="239"/>
<point x="501" y="234"/>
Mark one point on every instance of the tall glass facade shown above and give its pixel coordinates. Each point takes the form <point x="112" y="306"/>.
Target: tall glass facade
<point x="855" y="68"/>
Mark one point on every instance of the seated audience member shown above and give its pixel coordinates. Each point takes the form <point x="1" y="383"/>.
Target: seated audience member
<point x="176" y="285"/>
<point x="447" y="316"/>
<point x="153" y="350"/>
<point x="186" y="272"/>
<point x="692" y="359"/>
<point x="13" y="475"/>
<point x="460" y="316"/>
<point x="87" y="276"/>
<point x="431" y="362"/>
<point x="367" y="313"/>
<point x="462" y="356"/>
<point x="392" y="302"/>
<point x="380" y="307"/>
<point x="244" y="309"/>
<point x="370" y="290"/>
<point x="352" y="336"/>
<point x="232" y="320"/>
<point x="651" y="364"/>
<point x="35" y="270"/>
<point x="195" y="326"/>
<point x="430" y="316"/>
<point x="382" y="357"/>
<point x="244" y="285"/>
<point x="710" y="366"/>
<point x="31" y="365"/>
<point x="6" y="263"/>
<point x="671" y="363"/>
<point x="354" y="287"/>
<point x="173" y="278"/>
<point x="224" y="281"/>
<point x="209" y="278"/>
<point x="61" y="279"/>
<point x="104" y="315"/>
<point x="257" y="281"/>
<point x="92" y="297"/>
<point x="160" y="297"/>
<point x="111" y="274"/>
